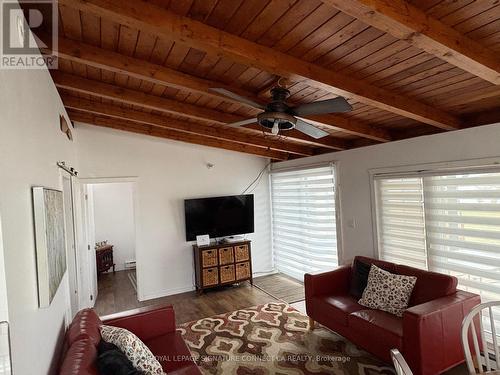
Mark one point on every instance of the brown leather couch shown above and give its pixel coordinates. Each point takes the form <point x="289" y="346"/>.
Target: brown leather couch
<point x="428" y="334"/>
<point x="154" y="326"/>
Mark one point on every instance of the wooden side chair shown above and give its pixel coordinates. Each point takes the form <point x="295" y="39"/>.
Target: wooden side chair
<point x="485" y="353"/>
<point x="400" y="364"/>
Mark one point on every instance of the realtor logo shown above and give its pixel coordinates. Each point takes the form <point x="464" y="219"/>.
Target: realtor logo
<point x="20" y="47"/>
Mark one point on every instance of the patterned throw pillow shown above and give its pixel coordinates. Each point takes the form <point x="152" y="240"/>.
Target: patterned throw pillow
<point x="135" y="350"/>
<point x="387" y="291"/>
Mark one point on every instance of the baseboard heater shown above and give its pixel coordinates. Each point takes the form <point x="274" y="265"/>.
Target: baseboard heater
<point x="130" y="264"/>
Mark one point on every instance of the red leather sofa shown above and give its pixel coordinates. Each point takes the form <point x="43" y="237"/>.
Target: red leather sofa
<point x="428" y="334"/>
<point x="154" y="326"/>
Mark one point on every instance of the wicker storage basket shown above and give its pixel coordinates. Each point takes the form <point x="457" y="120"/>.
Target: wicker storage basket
<point x="242" y="271"/>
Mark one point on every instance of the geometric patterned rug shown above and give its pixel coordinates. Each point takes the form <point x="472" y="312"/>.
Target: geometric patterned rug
<point x="273" y="339"/>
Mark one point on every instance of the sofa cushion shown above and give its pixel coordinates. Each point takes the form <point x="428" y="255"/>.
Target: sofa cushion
<point x="429" y="286"/>
<point x="360" y="271"/>
<point x="172" y="353"/>
<point x="86" y="324"/>
<point x="359" y="278"/>
<point x="387" y="291"/>
<point x="135" y="350"/>
<point x="80" y="359"/>
<point x="379" y="326"/>
<point x="337" y="307"/>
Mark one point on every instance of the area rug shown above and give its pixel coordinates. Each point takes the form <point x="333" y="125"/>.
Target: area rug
<point x="273" y="339"/>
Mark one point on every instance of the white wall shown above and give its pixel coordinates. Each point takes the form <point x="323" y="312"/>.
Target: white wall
<point x="353" y="168"/>
<point x="167" y="173"/>
<point x="30" y="145"/>
<point x="114" y="219"/>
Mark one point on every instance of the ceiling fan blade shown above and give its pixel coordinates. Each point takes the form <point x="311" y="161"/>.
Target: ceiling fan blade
<point x="243" y="122"/>
<point x="309" y="129"/>
<point x="237" y="97"/>
<point x="336" y="105"/>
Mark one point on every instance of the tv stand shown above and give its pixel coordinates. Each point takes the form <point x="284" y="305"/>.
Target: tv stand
<point x="222" y="264"/>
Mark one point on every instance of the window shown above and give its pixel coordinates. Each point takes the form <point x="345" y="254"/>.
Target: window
<point x="446" y="223"/>
<point x="304" y="220"/>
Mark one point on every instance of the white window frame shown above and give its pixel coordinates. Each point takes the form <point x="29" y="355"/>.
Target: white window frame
<point x="338" y="208"/>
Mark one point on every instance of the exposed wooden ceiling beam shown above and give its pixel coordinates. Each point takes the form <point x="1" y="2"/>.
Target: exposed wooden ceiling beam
<point x="159" y="21"/>
<point x="123" y="95"/>
<point x="471" y="97"/>
<point x="405" y="21"/>
<point x="87" y="54"/>
<point x="227" y="134"/>
<point x="156" y="131"/>
<point x="100" y="58"/>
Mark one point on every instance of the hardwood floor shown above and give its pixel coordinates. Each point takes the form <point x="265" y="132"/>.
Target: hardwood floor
<point x="116" y="294"/>
<point x="281" y="286"/>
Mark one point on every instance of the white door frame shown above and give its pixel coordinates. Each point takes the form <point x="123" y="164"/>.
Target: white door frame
<point x="72" y="253"/>
<point x="89" y="222"/>
<point x="5" y="342"/>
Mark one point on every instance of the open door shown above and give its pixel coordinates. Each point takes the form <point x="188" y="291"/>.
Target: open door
<point x="86" y="245"/>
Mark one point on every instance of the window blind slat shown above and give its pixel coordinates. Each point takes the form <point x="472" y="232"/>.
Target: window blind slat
<point x="304" y="220"/>
<point x="300" y="245"/>
<point x="459" y="230"/>
<point x="472" y="257"/>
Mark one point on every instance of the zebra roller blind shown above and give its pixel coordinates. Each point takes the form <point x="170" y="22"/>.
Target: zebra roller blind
<point x="458" y="233"/>
<point x="400" y="221"/>
<point x="304" y="220"/>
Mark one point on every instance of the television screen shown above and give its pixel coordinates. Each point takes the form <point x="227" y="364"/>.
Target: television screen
<point x="219" y="216"/>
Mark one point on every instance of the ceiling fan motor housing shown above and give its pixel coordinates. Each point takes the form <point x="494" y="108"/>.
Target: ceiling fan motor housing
<point x="277" y="111"/>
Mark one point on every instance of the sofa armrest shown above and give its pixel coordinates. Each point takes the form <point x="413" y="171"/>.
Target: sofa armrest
<point x="146" y="323"/>
<point x="432" y="331"/>
<point x="328" y="283"/>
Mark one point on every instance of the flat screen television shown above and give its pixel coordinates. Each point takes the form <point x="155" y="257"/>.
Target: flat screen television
<point x="219" y="216"/>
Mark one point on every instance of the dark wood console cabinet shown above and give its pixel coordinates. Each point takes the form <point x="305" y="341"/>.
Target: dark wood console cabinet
<point x="222" y="264"/>
<point x="104" y="259"/>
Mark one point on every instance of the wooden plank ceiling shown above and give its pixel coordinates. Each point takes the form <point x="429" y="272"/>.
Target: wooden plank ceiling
<point x="407" y="67"/>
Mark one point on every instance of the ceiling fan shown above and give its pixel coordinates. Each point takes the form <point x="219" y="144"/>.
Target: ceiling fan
<point x="279" y="116"/>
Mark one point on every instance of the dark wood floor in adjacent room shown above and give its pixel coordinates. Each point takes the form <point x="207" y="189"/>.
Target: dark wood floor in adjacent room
<point x="116" y="293"/>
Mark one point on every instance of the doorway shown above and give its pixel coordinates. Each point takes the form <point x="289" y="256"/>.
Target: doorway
<point x="111" y="227"/>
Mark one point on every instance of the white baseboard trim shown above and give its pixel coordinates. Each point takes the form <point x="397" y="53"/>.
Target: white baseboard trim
<point x="169" y="292"/>
<point x="165" y="293"/>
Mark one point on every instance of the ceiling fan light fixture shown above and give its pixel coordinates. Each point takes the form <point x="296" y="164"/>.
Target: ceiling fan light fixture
<point x="283" y="121"/>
